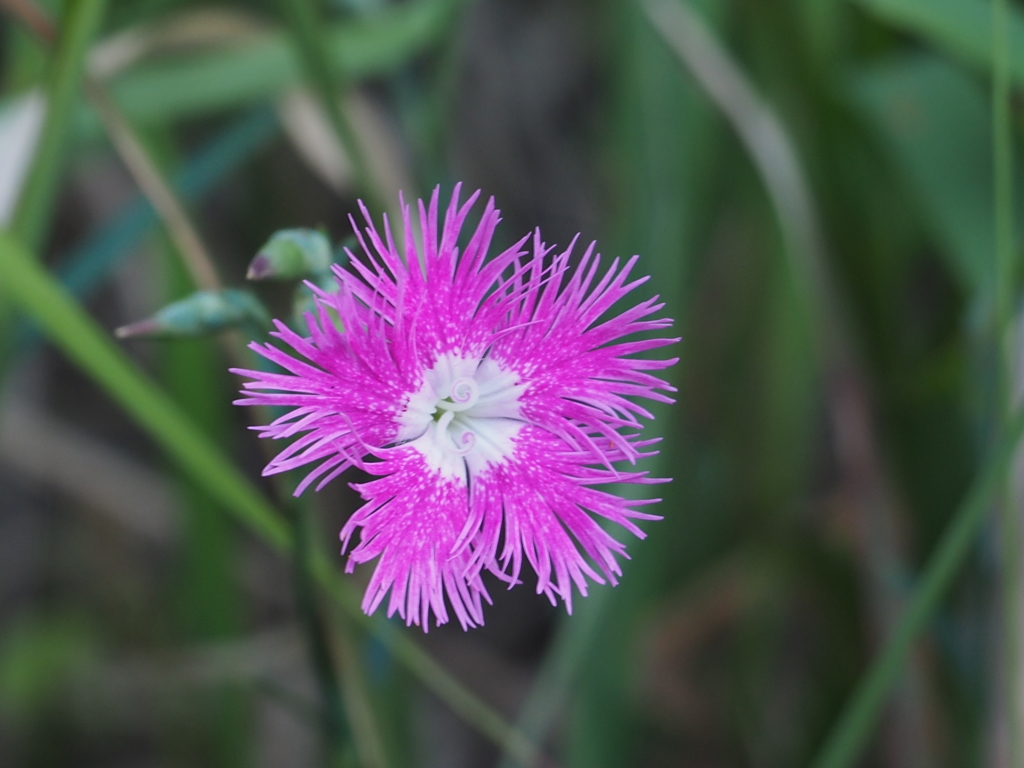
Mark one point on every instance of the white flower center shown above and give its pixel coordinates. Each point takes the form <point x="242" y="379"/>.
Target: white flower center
<point x="464" y="416"/>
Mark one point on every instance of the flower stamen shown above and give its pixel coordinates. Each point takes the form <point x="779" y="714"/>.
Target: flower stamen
<point x="468" y="439"/>
<point x="463" y="396"/>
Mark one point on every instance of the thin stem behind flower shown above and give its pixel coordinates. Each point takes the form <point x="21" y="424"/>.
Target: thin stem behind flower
<point x="1009" y="518"/>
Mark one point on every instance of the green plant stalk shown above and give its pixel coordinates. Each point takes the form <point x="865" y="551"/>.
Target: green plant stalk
<point x="68" y="326"/>
<point x="79" y="24"/>
<point x="1002" y="174"/>
<point x="207" y="596"/>
<point x="358" y="704"/>
<point x="311" y="44"/>
<point x="851" y="732"/>
<point x="335" y="727"/>
<point x="444" y="686"/>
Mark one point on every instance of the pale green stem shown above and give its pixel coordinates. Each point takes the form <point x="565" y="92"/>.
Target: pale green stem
<point x="79" y="24"/>
<point x="311" y="45"/>
<point x="1002" y="143"/>
<point x="851" y="732"/>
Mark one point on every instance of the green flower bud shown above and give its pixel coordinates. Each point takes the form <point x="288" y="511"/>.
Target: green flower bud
<point x="201" y="314"/>
<point x="292" y="253"/>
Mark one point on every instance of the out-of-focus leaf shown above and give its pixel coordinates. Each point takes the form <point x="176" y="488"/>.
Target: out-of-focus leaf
<point x="242" y="74"/>
<point x="20" y="122"/>
<point x="65" y="322"/>
<point x="37" y="657"/>
<point x="935" y="121"/>
<point x="201" y="314"/>
<point x="79" y="22"/>
<point x="961" y="27"/>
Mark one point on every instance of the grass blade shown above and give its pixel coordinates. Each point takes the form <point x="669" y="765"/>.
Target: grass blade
<point x="79" y="24"/>
<point x="311" y="46"/>
<point x="1009" y="511"/>
<point x="854" y="727"/>
<point x="72" y="330"/>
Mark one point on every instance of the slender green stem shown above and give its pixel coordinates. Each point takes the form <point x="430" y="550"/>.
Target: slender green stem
<point x="461" y="701"/>
<point x="559" y="670"/>
<point x="858" y="719"/>
<point x="68" y="326"/>
<point x="311" y="44"/>
<point x="358" y="706"/>
<point x="1004" y="239"/>
<point x="79" y="25"/>
<point x="336" y="735"/>
<point x="160" y="194"/>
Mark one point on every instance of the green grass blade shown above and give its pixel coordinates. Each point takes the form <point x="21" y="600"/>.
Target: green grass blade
<point x="66" y="324"/>
<point x="311" y="45"/>
<point x="79" y="24"/>
<point x="850" y="734"/>
<point x="1009" y="514"/>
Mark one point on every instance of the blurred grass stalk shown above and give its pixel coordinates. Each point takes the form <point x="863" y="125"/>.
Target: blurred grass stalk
<point x="309" y="42"/>
<point x="85" y="344"/>
<point x="172" y="213"/>
<point x="849" y="737"/>
<point x="79" y="24"/>
<point x="1009" y="506"/>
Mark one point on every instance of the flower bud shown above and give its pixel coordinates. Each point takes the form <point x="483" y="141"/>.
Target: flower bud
<point x="292" y="253"/>
<point x="201" y="314"/>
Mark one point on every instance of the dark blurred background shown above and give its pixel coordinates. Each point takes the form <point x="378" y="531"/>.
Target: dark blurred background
<point x="810" y="184"/>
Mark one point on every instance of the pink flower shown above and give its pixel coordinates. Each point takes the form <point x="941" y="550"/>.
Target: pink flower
<point x="487" y="398"/>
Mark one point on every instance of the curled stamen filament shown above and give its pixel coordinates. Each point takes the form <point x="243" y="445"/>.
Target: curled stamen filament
<point x="464" y="394"/>
<point x="467" y="440"/>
